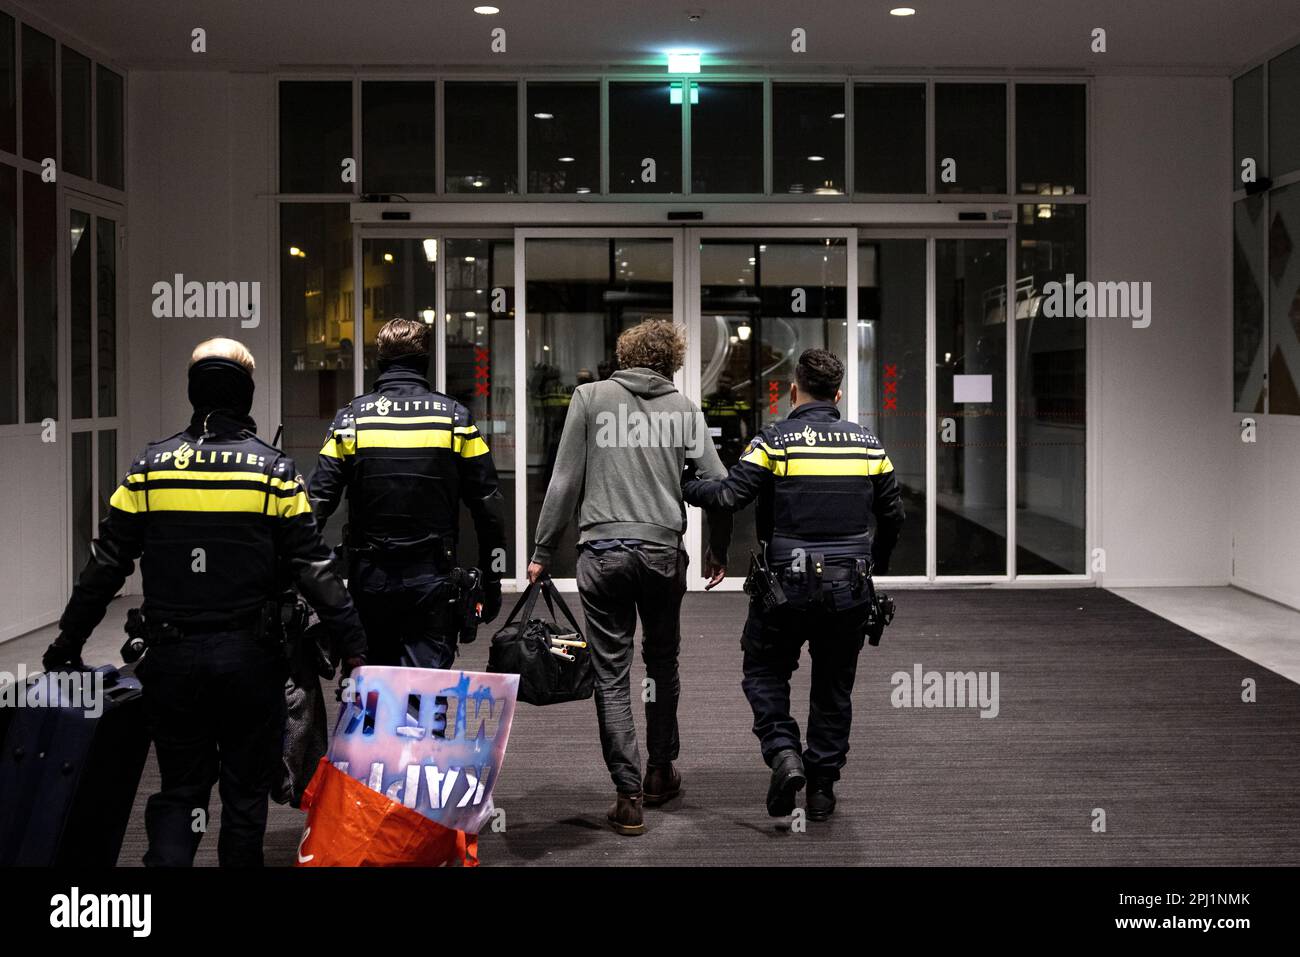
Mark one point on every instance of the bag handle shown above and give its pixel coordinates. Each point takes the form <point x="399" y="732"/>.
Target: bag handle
<point x="549" y="590"/>
<point x="526" y="601"/>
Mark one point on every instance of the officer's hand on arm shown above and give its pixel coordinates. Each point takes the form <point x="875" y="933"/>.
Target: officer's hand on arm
<point x="64" y="654"/>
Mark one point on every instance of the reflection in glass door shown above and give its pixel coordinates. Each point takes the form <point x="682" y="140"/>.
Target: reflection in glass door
<point x="762" y="302"/>
<point x="971" y="387"/>
<point x="581" y="292"/>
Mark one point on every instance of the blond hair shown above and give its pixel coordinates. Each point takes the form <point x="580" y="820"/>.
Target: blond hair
<point x="656" y="344"/>
<point x="219" y="347"/>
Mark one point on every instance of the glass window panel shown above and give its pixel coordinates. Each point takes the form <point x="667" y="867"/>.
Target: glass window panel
<point x="399" y="137"/>
<point x="645" y="123"/>
<point x="1051" y="396"/>
<point x="480" y="359"/>
<point x="727" y="138"/>
<point x="109" y="134"/>
<point x="108" y="473"/>
<point x="970" y="127"/>
<point x="1051" y="138"/>
<point x="1248" y="124"/>
<point x="1249" y="345"/>
<point x="81" y="240"/>
<point x="563" y="137"/>
<point x="316" y="328"/>
<point x="106" y="313"/>
<point x="970" y="340"/>
<point x="8" y="87"/>
<point x="1283" y="129"/>
<point x="38" y="95"/>
<point x="581" y="294"/>
<point x="76" y="113"/>
<point x="315" y="135"/>
<point x="482" y="137"/>
<point x="8" y="295"/>
<point x="892" y="376"/>
<point x="40" y="305"/>
<point x="752" y="332"/>
<point x="889" y="138"/>
<point x="1284" y="301"/>
<point x="808" y="138"/>
<point x="83" y="499"/>
<point x="399" y="283"/>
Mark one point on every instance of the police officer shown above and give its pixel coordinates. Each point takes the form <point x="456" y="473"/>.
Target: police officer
<point x="829" y="511"/>
<point x="220" y="522"/>
<point x="406" y="456"/>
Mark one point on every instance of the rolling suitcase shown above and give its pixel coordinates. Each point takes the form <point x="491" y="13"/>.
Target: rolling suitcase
<point x="68" y="777"/>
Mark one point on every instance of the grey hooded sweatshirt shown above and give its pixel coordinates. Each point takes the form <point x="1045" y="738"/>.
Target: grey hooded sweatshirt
<point x="625" y="443"/>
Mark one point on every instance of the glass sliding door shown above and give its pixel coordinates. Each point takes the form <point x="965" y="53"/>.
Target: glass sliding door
<point x="581" y="291"/>
<point x="90" y="274"/>
<point x="892" y="376"/>
<point x="761" y="302"/>
<point x="970" y="280"/>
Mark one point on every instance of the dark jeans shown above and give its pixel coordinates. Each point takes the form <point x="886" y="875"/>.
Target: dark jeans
<point x="616" y="584"/>
<point x="215" y="706"/>
<point x="771" y="645"/>
<point x="407" y="613"/>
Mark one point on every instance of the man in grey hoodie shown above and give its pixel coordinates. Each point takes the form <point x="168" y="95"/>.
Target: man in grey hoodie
<point x="626" y="442"/>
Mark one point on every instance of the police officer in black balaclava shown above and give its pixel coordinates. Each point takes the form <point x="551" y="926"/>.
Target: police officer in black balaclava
<point x="220" y="522"/>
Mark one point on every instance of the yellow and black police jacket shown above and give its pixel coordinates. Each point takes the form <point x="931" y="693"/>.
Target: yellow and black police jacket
<point x="221" y="523"/>
<point x="407" y="457"/>
<point x="822" y="484"/>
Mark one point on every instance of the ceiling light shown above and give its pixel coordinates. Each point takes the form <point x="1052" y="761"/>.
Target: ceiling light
<point x="428" y="316"/>
<point x="683" y="61"/>
<point x="744" y="331"/>
<point x="431" y="250"/>
<point x="477" y="183"/>
<point x="902" y="12"/>
<point x="583" y="189"/>
<point x="470" y="314"/>
<point x="565" y="159"/>
<point x="295" y="251"/>
<point x="469" y="259"/>
<point x="486" y="10"/>
<point x="543" y="116"/>
<point x="388" y="257"/>
<point x="815" y="158"/>
<point x="837" y="116"/>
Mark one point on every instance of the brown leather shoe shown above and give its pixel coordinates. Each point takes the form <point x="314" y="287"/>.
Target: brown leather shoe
<point x="625" y="814"/>
<point x="662" y="784"/>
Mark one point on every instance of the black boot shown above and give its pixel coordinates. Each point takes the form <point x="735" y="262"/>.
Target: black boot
<point x="787" y="780"/>
<point x="821" y="798"/>
<point x="662" y="783"/>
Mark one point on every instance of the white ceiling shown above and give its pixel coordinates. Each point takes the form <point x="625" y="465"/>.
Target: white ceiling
<point x="1216" y="36"/>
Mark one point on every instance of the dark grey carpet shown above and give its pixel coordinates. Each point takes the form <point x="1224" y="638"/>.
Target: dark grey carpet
<point x="1103" y="705"/>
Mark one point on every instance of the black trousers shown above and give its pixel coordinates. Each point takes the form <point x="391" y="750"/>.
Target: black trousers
<point x="408" y="612"/>
<point x="771" y="645"/>
<point x="615" y="584"/>
<point x="216" y="711"/>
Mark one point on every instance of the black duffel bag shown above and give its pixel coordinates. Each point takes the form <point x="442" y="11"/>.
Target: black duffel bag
<point x="524" y="646"/>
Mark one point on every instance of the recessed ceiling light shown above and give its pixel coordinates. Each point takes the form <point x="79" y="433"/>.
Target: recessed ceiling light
<point x="486" y="10"/>
<point x="815" y="158"/>
<point x="837" y="116"/>
<point x="902" y="12"/>
<point x="566" y="159"/>
<point x="469" y="259"/>
<point x="583" y="189"/>
<point x="477" y="183"/>
<point x="543" y="116"/>
<point x="683" y="61"/>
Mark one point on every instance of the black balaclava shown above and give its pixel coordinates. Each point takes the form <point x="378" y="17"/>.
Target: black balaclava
<point x="221" y="392"/>
<point x="417" y="362"/>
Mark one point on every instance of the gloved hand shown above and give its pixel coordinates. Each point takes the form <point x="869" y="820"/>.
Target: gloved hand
<point x="351" y="664"/>
<point x="491" y="600"/>
<point x="63" y="655"/>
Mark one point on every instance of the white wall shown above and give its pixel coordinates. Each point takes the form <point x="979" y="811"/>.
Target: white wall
<point x="1161" y="158"/>
<point x="1264" y="492"/>
<point x="34" y="516"/>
